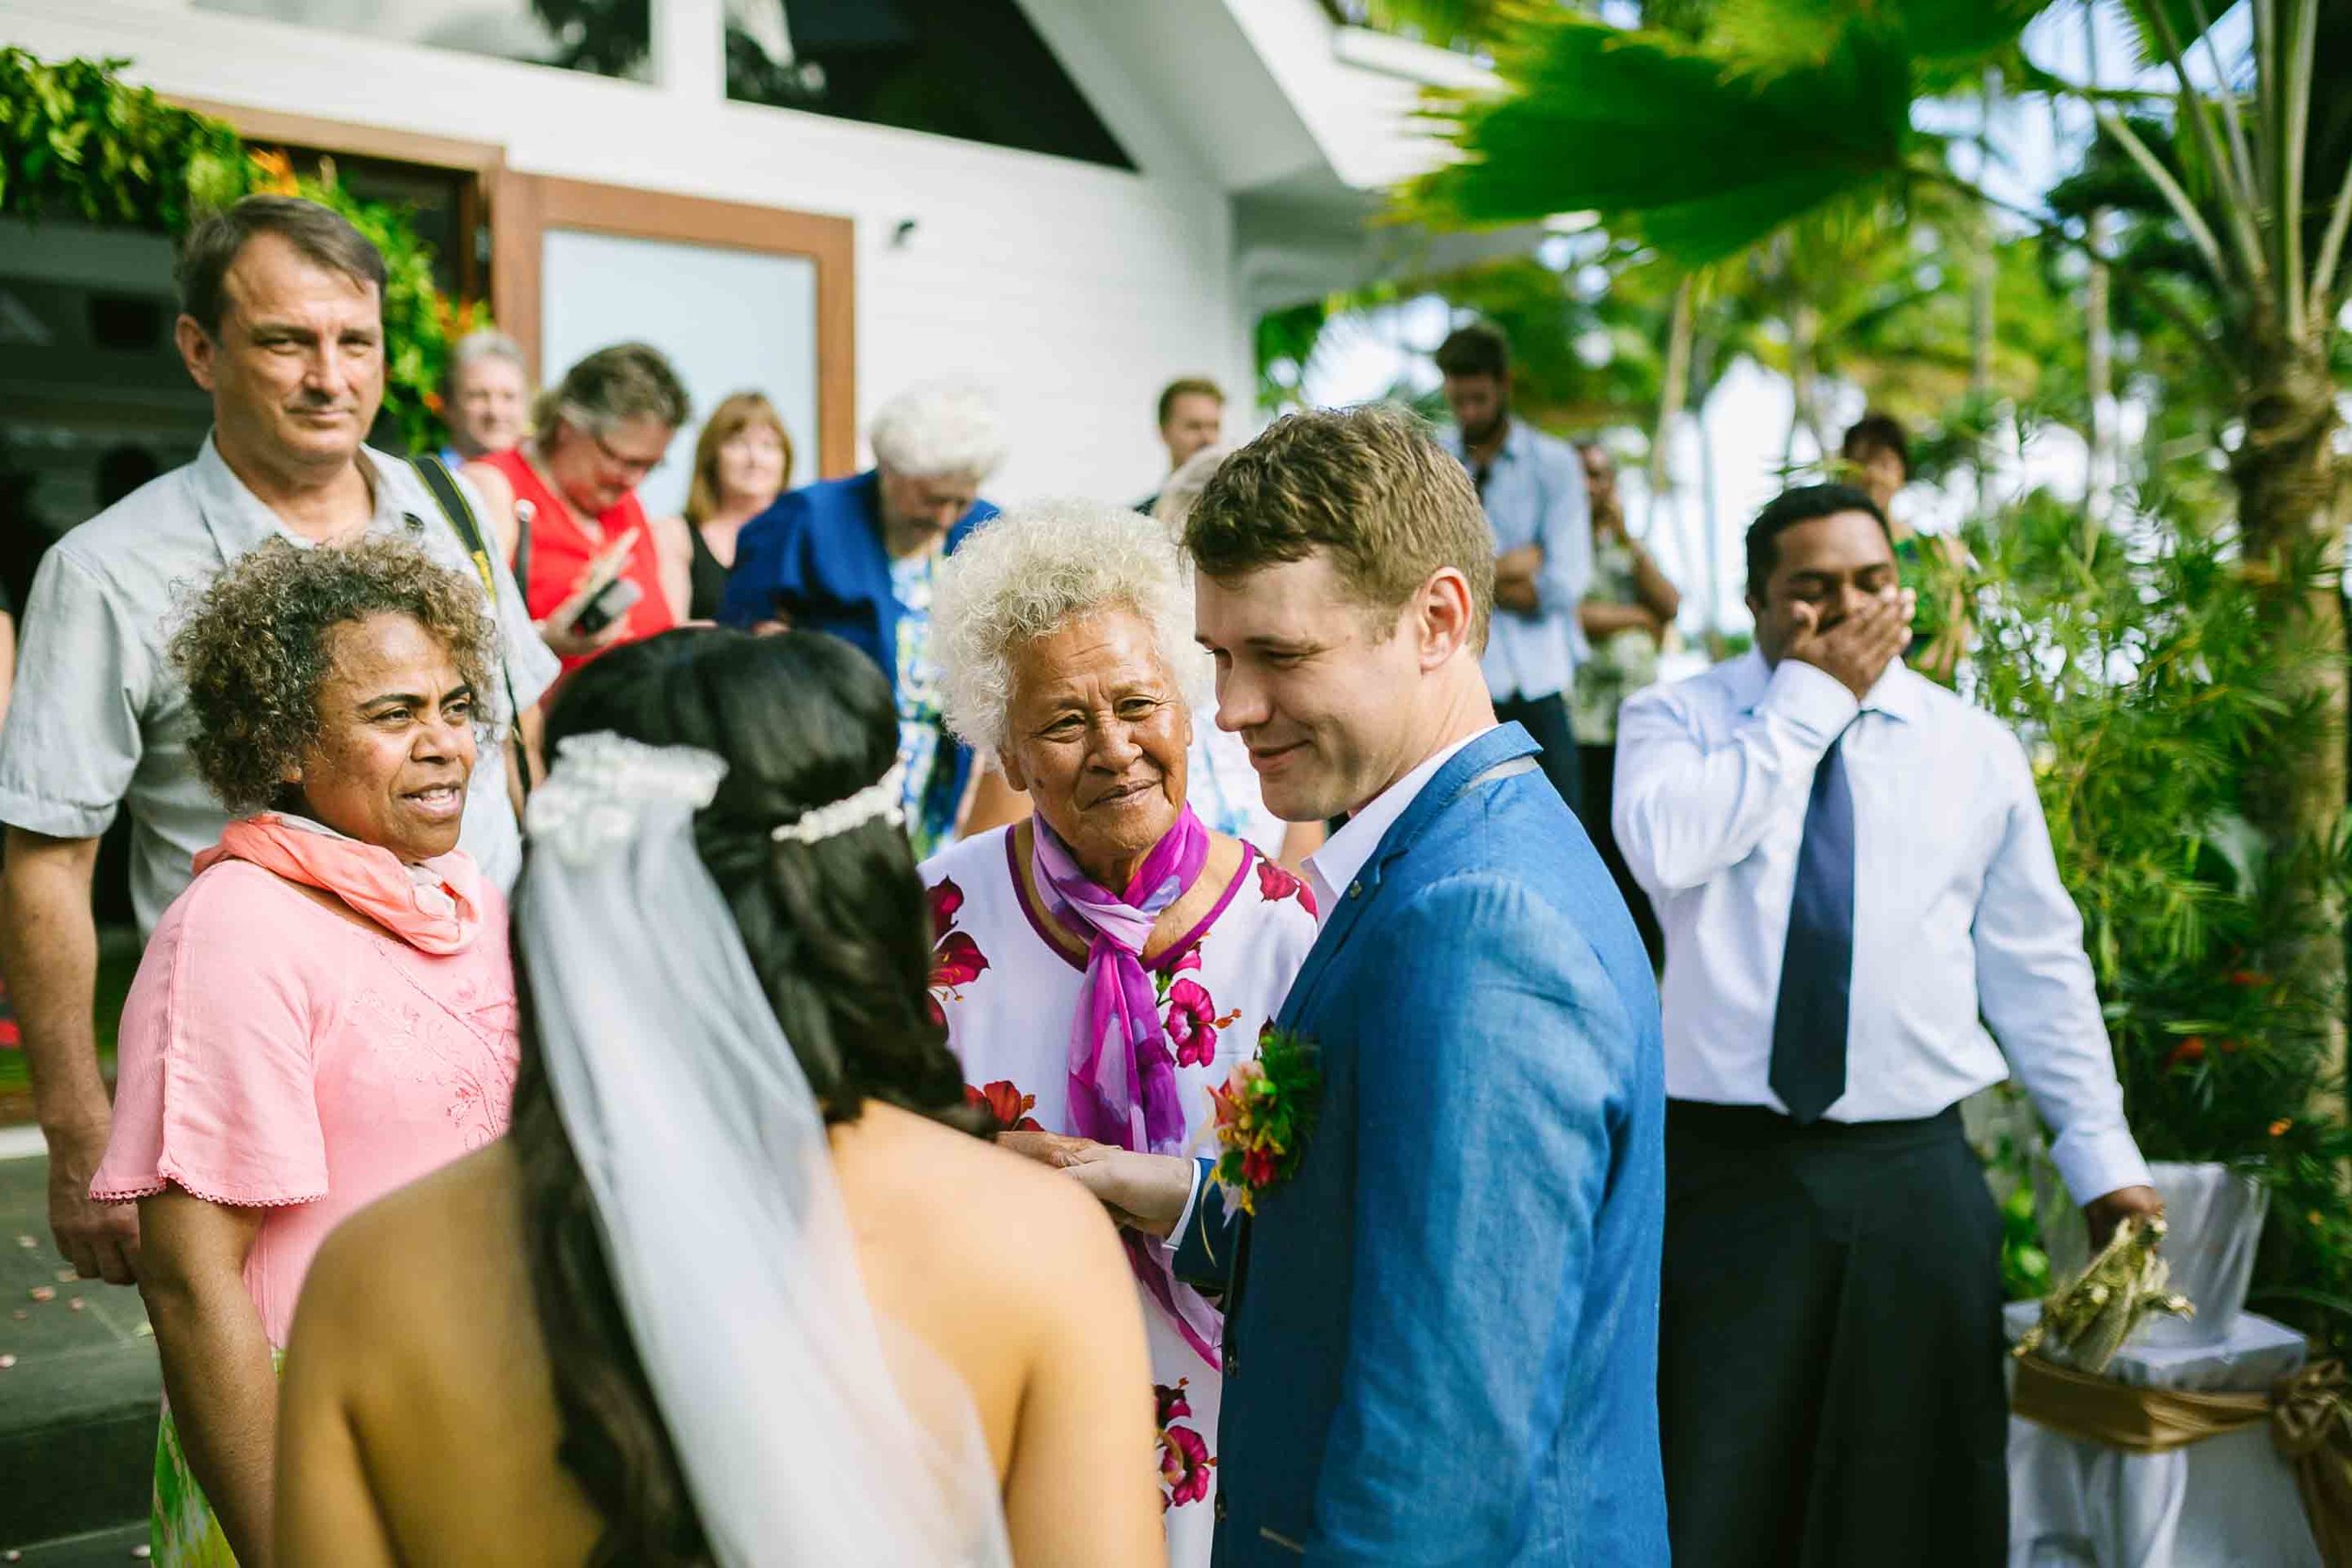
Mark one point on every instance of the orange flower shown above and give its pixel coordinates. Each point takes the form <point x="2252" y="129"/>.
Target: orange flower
<point x="2279" y="1128"/>
<point x="2189" y="1049"/>
<point x="277" y="173"/>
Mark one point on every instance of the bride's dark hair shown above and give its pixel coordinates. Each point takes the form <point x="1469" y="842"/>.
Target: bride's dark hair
<point x="839" y="934"/>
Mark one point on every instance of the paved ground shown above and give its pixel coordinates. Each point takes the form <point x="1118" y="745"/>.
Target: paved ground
<point x="78" y="1401"/>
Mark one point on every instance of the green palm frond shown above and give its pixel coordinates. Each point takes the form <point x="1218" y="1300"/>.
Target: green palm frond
<point x="1693" y="155"/>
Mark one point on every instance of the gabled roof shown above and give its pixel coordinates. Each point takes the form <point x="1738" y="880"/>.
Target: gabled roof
<point x="1306" y="123"/>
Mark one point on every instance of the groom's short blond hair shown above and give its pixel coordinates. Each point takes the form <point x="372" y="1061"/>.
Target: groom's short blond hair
<point x="1368" y="486"/>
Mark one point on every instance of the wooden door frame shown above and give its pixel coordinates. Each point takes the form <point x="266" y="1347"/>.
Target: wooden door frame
<point x="523" y="207"/>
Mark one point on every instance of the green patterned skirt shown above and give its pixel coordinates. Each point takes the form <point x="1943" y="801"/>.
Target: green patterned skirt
<point x="182" y="1532"/>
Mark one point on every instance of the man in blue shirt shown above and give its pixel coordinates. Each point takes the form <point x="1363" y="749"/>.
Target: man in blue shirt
<point x="853" y="557"/>
<point x="1532" y="489"/>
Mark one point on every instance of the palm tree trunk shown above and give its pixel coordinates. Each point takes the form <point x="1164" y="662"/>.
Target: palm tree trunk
<point x="1980" y="281"/>
<point x="2285" y="471"/>
<point x="2098" y="321"/>
<point x="2099" y="373"/>
<point x="1711" y="511"/>
<point x="1674" y="389"/>
<point x="1804" y="378"/>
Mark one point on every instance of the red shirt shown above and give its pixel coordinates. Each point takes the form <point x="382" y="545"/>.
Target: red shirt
<point x="561" y="552"/>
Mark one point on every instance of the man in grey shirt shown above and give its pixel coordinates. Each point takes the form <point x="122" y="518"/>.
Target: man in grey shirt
<point x="282" y="323"/>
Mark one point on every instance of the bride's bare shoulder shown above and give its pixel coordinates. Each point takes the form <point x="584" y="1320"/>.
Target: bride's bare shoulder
<point x="936" y="1181"/>
<point x="454" y="1235"/>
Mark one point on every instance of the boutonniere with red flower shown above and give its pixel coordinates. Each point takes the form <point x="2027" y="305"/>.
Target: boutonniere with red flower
<point x="1266" y="1113"/>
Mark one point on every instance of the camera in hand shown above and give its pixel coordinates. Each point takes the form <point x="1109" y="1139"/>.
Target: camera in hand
<point x="611" y="603"/>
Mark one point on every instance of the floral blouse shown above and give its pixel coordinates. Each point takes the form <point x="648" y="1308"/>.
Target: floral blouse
<point x="1008" y="992"/>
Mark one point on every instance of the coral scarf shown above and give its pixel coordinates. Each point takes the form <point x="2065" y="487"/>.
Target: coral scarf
<point x="1122" y="1073"/>
<point x="435" y="906"/>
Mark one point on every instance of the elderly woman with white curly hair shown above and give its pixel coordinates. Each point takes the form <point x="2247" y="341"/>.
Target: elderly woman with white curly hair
<point x="1105" y="963"/>
<point x="856" y="557"/>
<point x="1224" y="783"/>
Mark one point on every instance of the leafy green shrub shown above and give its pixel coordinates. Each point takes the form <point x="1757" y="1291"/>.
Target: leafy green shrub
<point x="77" y="142"/>
<point x="2133" y="662"/>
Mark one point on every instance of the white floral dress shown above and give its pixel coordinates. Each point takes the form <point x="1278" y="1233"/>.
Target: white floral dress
<point x="1010" y="992"/>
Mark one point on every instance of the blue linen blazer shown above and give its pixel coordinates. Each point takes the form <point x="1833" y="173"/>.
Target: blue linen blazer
<point x="817" y="557"/>
<point x="1441" y="1333"/>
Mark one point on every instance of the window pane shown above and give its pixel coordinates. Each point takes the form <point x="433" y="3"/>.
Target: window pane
<point x="973" y="69"/>
<point x="729" y="321"/>
<point x="612" y="37"/>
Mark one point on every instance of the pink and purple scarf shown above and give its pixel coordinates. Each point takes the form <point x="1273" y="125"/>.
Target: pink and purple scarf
<point x="1123" y="1072"/>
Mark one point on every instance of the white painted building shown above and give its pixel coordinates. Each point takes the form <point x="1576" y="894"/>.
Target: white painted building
<point x="1257" y="137"/>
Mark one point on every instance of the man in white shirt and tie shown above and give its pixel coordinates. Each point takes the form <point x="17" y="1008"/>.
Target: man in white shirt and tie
<point x="1854" y="878"/>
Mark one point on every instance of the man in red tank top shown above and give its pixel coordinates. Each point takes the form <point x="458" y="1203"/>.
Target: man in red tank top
<point x="596" y="570"/>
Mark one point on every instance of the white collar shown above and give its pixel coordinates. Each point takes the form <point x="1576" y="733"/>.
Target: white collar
<point x="1333" y="867"/>
<point x="1899" y="692"/>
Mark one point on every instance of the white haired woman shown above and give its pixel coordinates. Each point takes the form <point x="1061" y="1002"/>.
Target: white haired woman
<point x="1104" y="964"/>
<point x="856" y="557"/>
<point x="1224" y="785"/>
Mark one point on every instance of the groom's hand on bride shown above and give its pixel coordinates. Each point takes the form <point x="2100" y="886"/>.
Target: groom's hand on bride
<point x="1046" y="1148"/>
<point x="1142" y="1191"/>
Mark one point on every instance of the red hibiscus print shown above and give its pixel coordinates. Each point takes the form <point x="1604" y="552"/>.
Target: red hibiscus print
<point x="1193" y="1024"/>
<point x="956" y="962"/>
<point x="946" y="898"/>
<point x="1184" y="1461"/>
<point x="1007" y="1104"/>
<point x="1276" y="884"/>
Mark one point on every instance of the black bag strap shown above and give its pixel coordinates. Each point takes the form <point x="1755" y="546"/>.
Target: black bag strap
<point x="467" y="527"/>
<point x="462" y="522"/>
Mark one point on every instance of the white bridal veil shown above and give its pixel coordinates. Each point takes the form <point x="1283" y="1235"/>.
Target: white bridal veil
<point x="809" y="1431"/>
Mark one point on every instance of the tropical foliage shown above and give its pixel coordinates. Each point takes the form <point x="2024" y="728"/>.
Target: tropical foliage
<point x="77" y="142"/>
<point x="2177" y="650"/>
<point x="2138" y="665"/>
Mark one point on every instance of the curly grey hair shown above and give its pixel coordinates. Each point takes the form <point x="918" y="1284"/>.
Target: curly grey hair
<point x="254" y="650"/>
<point x="1037" y="569"/>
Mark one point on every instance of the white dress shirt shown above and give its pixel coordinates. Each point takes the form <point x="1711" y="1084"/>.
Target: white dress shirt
<point x="1960" y="919"/>
<point x="1331" y="870"/>
<point x="1333" y="867"/>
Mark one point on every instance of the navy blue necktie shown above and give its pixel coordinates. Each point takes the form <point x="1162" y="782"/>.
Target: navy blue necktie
<point x="1817" y="967"/>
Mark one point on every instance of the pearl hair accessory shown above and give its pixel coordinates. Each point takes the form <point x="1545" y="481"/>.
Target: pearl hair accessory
<point x="879" y="799"/>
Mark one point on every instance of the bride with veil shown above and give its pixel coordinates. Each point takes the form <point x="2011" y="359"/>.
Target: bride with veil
<point x="739" y="1288"/>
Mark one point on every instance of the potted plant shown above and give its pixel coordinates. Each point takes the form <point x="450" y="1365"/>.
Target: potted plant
<point x="2129" y="658"/>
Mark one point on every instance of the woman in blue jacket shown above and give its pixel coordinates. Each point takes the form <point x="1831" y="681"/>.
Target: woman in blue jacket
<point x="854" y="557"/>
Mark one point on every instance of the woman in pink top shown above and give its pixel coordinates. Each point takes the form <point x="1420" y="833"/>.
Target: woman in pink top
<point x="327" y="1012"/>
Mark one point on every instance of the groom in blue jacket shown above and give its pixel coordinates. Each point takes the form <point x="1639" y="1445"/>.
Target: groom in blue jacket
<point x="1442" y="1326"/>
